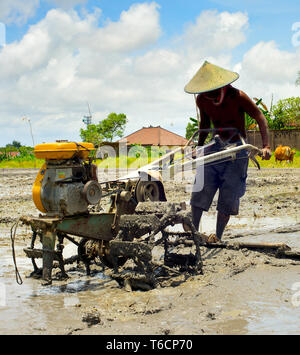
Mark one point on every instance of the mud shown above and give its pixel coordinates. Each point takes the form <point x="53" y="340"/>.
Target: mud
<point x="240" y="291"/>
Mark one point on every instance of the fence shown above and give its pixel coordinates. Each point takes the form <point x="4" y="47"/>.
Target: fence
<point x="287" y="137"/>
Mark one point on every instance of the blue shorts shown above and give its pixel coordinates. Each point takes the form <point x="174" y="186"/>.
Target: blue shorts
<point x="227" y="177"/>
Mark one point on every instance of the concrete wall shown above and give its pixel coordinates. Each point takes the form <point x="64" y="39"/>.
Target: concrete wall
<point x="290" y="138"/>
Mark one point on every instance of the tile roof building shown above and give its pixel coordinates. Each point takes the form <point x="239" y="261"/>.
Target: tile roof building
<point x="154" y="136"/>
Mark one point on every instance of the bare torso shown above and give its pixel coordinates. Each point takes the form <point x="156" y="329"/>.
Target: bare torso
<point x="230" y="114"/>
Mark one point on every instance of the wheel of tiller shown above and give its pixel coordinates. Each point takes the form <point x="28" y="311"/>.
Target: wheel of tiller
<point x="147" y="191"/>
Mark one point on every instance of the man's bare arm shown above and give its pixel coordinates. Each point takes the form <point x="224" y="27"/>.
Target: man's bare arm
<point x="254" y="112"/>
<point x="204" y="124"/>
<point x="263" y="128"/>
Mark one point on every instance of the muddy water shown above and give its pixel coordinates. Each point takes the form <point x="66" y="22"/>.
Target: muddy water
<point x="254" y="311"/>
<point x="266" y="301"/>
<point x="256" y="301"/>
<point x="246" y="225"/>
<point x="240" y="292"/>
<point x="31" y="308"/>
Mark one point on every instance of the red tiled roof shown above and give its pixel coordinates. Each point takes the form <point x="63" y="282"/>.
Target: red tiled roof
<point x="12" y="154"/>
<point x="154" y="136"/>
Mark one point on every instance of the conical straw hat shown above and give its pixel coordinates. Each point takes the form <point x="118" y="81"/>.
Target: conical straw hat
<point x="210" y="77"/>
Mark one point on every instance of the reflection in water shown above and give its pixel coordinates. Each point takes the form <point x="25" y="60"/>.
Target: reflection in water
<point x="30" y="308"/>
<point x="244" y="224"/>
<point x="277" y="319"/>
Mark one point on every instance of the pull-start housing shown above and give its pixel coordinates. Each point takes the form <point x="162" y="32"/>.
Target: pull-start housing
<point x="67" y="183"/>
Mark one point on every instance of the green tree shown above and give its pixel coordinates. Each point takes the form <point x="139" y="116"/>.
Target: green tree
<point x="108" y="129"/>
<point x="91" y="134"/>
<point x="250" y="123"/>
<point x="191" y="127"/>
<point x="14" y="144"/>
<point x="287" y="113"/>
<point x="275" y="116"/>
<point x="113" y="126"/>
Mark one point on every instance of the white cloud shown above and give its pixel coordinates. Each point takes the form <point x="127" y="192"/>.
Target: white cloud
<point x="138" y="27"/>
<point x="17" y="11"/>
<point x="266" y="70"/>
<point x="66" y="60"/>
<point x="266" y="61"/>
<point x="30" y="53"/>
<point x="216" y="32"/>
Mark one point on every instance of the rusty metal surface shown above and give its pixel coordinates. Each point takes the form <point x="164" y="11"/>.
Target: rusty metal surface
<point x="38" y="253"/>
<point x="42" y="223"/>
<point x="124" y="232"/>
<point x="96" y="226"/>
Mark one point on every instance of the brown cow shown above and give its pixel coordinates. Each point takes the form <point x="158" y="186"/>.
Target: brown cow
<point x="284" y="153"/>
<point x="293" y="152"/>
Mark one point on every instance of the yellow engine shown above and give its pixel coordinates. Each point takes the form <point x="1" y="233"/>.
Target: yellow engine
<point x="67" y="183"/>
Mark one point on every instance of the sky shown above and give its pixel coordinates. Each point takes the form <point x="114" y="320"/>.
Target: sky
<point x="134" y="57"/>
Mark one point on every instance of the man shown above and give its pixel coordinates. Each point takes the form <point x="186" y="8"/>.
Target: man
<point x="223" y="106"/>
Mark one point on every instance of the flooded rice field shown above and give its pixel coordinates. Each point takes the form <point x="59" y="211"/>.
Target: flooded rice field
<point x="240" y="291"/>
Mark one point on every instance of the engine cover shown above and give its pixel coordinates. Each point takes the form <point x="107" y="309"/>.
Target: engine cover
<point x="60" y="197"/>
<point x="56" y="193"/>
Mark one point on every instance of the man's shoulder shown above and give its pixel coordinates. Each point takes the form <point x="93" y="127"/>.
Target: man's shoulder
<point x="234" y="92"/>
<point x="237" y="94"/>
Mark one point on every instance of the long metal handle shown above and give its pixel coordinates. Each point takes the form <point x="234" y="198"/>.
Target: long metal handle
<point x="159" y="164"/>
<point x="214" y="157"/>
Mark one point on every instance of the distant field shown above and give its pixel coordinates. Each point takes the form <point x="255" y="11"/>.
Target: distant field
<point x="271" y="163"/>
<point x="129" y="162"/>
<point x="24" y="164"/>
<point x="122" y="162"/>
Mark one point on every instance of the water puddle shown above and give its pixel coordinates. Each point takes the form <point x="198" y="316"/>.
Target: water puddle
<point x="266" y="302"/>
<point x="278" y="319"/>
<point x="32" y="309"/>
<point x="268" y="307"/>
<point x="246" y="224"/>
<point x="259" y="229"/>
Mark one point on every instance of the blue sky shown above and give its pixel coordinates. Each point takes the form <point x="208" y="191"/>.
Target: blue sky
<point x="135" y="57"/>
<point x="269" y="19"/>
